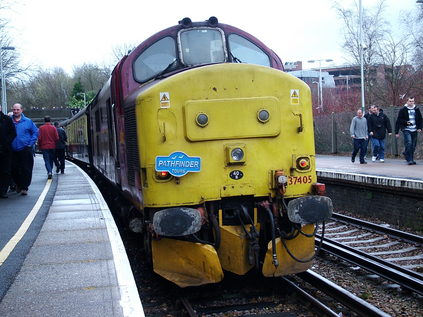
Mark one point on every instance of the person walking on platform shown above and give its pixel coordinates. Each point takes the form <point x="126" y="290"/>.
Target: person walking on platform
<point x="47" y="139"/>
<point x="359" y="133"/>
<point x="409" y="121"/>
<point x="378" y="123"/>
<point x="22" y="145"/>
<point x="367" y="115"/>
<point x="60" y="149"/>
<point x="7" y="134"/>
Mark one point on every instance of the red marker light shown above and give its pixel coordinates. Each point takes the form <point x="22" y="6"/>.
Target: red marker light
<point x="163" y="175"/>
<point x="303" y="163"/>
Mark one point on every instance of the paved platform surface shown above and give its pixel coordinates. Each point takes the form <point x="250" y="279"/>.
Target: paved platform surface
<point x="392" y="173"/>
<point x="77" y="265"/>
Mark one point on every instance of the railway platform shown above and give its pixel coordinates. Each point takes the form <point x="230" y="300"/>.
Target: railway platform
<point x="393" y="173"/>
<point x="61" y="253"/>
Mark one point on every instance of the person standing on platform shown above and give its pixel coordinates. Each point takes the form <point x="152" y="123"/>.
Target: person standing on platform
<point x="359" y="133"/>
<point x="409" y="121"/>
<point x="47" y="139"/>
<point x="60" y="149"/>
<point x="367" y="115"/>
<point x="7" y="134"/>
<point x="22" y="145"/>
<point x="378" y="123"/>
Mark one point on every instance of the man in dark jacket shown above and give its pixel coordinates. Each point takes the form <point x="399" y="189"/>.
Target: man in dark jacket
<point x="7" y="134"/>
<point x="410" y="122"/>
<point x="60" y="148"/>
<point x="378" y="123"/>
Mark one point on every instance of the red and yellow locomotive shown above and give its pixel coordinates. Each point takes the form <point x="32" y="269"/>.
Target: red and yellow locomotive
<point x="213" y="144"/>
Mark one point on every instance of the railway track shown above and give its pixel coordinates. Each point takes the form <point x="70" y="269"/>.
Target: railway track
<point x="392" y="254"/>
<point x="244" y="296"/>
<point x="275" y="303"/>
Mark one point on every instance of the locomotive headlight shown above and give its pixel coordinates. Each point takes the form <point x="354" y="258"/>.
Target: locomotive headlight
<point x="235" y="154"/>
<point x="263" y="115"/>
<point x="202" y="120"/>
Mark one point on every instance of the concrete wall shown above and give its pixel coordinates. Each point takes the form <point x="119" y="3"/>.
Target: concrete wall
<point x="391" y="206"/>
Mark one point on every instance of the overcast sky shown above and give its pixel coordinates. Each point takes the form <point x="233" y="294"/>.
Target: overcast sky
<point x="59" y="33"/>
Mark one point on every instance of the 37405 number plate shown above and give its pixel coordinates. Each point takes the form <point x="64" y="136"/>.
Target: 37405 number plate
<point x="297" y="180"/>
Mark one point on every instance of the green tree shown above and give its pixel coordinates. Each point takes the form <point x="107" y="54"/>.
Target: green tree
<point x="78" y="98"/>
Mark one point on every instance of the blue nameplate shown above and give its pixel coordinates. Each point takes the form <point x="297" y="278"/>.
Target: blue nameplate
<point x="178" y="164"/>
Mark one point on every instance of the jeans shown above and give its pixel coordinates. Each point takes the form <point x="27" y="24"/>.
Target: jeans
<point x="378" y="148"/>
<point x="360" y="145"/>
<point x="410" y="142"/>
<point x="49" y="156"/>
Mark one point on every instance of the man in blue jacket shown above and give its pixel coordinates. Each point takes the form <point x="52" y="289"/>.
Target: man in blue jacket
<point x="22" y="145"/>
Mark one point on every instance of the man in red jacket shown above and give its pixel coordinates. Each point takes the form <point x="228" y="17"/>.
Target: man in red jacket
<point x="47" y="138"/>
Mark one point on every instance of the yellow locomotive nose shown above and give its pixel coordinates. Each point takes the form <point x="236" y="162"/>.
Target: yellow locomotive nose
<point x="229" y="138"/>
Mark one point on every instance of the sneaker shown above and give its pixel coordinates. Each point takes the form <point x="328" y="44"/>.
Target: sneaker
<point x="24" y="192"/>
<point x="49" y="176"/>
<point x="382" y="160"/>
<point x="363" y="162"/>
<point x="414" y="163"/>
<point x="410" y="163"/>
<point x="353" y="159"/>
<point x="373" y="158"/>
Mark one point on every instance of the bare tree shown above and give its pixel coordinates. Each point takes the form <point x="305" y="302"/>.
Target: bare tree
<point x="92" y="77"/>
<point x="120" y="51"/>
<point x="9" y="57"/>
<point x="374" y="30"/>
<point x="388" y="71"/>
<point x="45" y="90"/>
<point x="398" y="73"/>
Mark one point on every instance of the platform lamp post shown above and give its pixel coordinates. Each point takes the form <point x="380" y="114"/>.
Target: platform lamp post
<point x="320" y="97"/>
<point x="3" y="79"/>
<point x="361" y="48"/>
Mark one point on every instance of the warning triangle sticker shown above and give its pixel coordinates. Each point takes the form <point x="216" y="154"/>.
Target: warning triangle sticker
<point x="165" y="97"/>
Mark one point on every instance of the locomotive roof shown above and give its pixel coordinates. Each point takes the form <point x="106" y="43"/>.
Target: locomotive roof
<point x="125" y="66"/>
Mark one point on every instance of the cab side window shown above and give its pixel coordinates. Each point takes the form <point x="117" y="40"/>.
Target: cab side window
<point x="155" y="59"/>
<point x="244" y="51"/>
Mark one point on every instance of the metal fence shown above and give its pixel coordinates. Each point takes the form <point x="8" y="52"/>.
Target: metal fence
<point x="332" y="134"/>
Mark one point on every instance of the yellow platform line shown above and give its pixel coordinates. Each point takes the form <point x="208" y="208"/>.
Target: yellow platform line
<point x="10" y="246"/>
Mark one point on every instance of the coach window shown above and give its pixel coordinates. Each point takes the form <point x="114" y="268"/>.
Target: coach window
<point x="244" y="51"/>
<point x="202" y="46"/>
<point x="155" y="59"/>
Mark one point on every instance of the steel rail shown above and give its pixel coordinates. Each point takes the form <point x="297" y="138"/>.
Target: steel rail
<point x="409" y="237"/>
<point x="187" y="305"/>
<point x="314" y="301"/>
<point x="404" y="277"/>
<point x="343" y="296"/>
